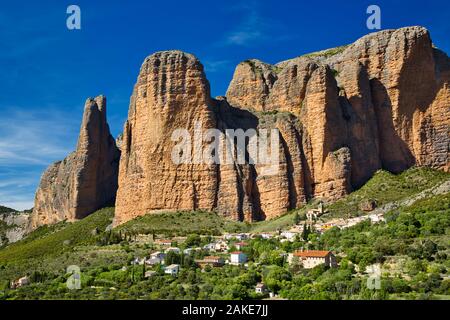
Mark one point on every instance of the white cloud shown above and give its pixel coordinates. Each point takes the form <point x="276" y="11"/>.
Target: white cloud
<point x="29" y="142"/>
<point x="37" y="138"/>
<point x="254" y="27"/>
<point x="251" y="30"/>
<point x="217" y="65"/>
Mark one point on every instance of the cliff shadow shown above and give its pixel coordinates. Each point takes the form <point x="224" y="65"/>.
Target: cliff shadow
<point x="395" y="155"/>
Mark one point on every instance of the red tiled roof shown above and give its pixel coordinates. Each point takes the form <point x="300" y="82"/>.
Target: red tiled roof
<point x="237" y="252"/>
<point x="312" y="253"/>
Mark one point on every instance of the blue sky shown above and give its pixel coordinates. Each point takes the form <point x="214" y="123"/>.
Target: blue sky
<point x="47" y="71"/>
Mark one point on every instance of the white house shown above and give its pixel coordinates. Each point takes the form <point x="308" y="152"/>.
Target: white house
<point x="173" y="249"/>
<point x="154" y="261"/>
<point x="238" y="257"/>
<point x="261" y="288"/>
<point x="289" y="235"/>
<point x="221" y="246"/>
<point x="266" y="235"/>
<point x="158" y="255"/>
<point x="210" y="246"/>
<point x="173" y="269"/>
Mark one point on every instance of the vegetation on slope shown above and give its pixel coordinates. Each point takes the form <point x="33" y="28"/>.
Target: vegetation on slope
<point x="182" y="223"/>
<point x="6" y="210"/>
<point x="384" y="188"/>
<point x="326" y="53"/>
<point x="54" y="240"/>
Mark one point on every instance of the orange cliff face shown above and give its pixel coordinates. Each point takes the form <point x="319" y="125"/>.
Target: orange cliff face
<point x="171" y="93"/>
<point x="338" y="116"/>
<point x="382" y="102"/>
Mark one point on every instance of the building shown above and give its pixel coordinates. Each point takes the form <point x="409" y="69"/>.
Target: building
<point x="290" y="235"/>
<point x="173" y="249"/>
<point x="173" y="269"/>
<point x="261" y="288"/>
<point x="237" y="236"/>
<point x="313" y="214"/>
<point x="266" y="235"/>
<point x="210" y="246"/>
<point x="221" y="246"/>
<point x="213" y="261"/>
<point x="153" y="261"/>
<point x="240" y="245"/>
<point x="313" y="258"/>
<point x="158" y="255"/>
<point x="164" y="242"/>
<point x="238" y="257"/>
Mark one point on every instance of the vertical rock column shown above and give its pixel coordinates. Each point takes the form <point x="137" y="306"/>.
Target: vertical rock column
<point x="84" y="181"/>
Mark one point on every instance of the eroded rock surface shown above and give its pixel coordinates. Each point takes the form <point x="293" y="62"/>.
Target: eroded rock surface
<point x="84" y="181"/>
<point x="341" y="114"/>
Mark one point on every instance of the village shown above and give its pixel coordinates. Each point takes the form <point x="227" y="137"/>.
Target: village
<point x="230" y="249"/>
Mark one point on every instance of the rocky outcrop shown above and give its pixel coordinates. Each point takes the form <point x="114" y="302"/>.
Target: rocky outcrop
<point x="87" y="179"/>
<point x="13" y="226"/>
<point x="171" y="93"/>
<point x="409" y="85"/>
<point x="340" y="115"/>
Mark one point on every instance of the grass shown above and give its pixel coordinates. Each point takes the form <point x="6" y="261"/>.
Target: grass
<point x="182" y="223"/>
<point x="54" y="240"/>
<point x="282" y="222"/>
<point x="326" y="53"/>
<point x="256" y="66"/>
<point x="384" y="187"/>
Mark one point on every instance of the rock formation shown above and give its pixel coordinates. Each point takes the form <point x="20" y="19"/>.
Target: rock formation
<point x="341" y="114"/>
<point x="13" y="225"/>
<point x="87" y="179"/>
<point x="171" y="93"/>
<point x="336" y="116"/>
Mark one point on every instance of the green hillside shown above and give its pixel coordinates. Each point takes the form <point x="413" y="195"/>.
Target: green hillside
<point x="6" y="209"/>
<point x="55" y="240"/>
<point x="183" y="223"/>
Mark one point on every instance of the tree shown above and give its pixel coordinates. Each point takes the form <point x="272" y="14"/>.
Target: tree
<point x="172" y="258"/>
<point x="296" y="218"/>
<point x="306" y="232"/>
<point x="275" y="278"/>
<point x="193" y="240"/>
